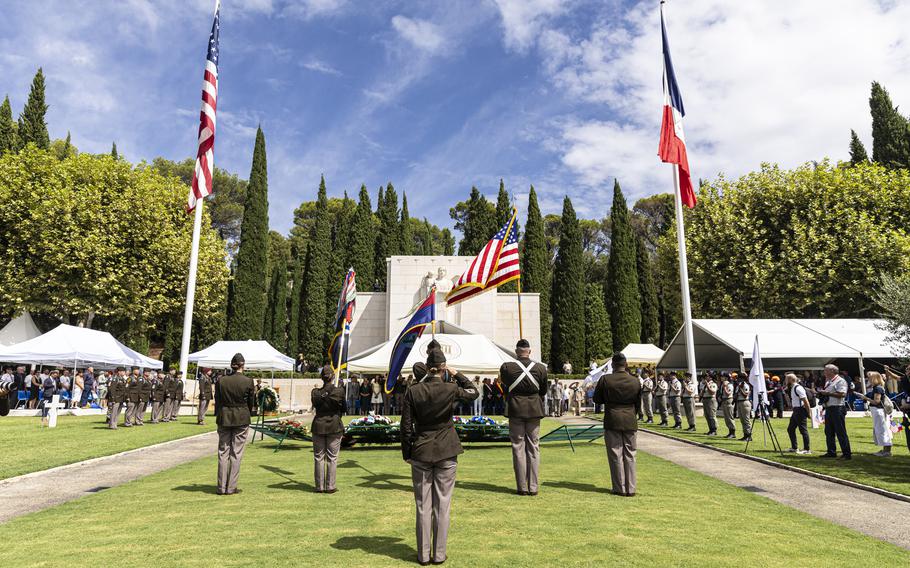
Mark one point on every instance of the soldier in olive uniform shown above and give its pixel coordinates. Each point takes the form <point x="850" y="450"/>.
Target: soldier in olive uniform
<point x="430" y="444"/>
<point x="327" y="429"/>
<point x="116" y="393"/>
<point x="206" y="385"/>
<point x="743" y="400"/>
<point x="727" y="389"/>
<point x="525" y="383"/>
<point x="709" y="404"/>
<point x="620" y="393"/>
<point x="660" y="394"/>
<point x="235" y="403"/>
<point x="132" y="398"/>
<point x="647" y="387"/>
<point x="145" y="393"/>
<point x="673" y="392"/>
<point x="178" y="396"/>
<point x="170" y="391"/>
<point x="157" y="397"/>
<point x="688" y="401"/>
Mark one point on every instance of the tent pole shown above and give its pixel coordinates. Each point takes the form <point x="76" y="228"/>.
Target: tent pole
<point x="862" y="373"/>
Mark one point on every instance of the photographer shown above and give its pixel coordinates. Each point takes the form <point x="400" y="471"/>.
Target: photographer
<point x="801" y="408"/>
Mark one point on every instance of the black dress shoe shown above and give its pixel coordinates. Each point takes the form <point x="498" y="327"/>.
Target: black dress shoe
<point x="330" y="491"/>
<point x="731" y="435"/>
<point x="443" y="561"/>
<point x="532" y="493"/>
<point x="828" y="455"/>
<point x="690" y="429"/>
<point x="236" y="492"/>
<point x="423" y="562"/>
<point x="846" y="457"/>
<point x="521" y="492"/>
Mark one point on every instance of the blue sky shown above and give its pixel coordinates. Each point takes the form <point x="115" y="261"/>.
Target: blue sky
<point x="439" y="96"/>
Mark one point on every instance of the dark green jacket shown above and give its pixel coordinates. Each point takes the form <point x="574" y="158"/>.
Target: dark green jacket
<point x="157" y="390"/>
<point x="116" y="390"/>
<point x="205" y="387"/>
<point x="235" y="401"/>
<point x="620" y="394"/>
<point x="328" y="402"/>
<point x="427" y="431"/>
<point x="524" y="400"/>
<point x="170" y="387"/>
<point x="132" y="390"/>
<point x="145" y="390"/>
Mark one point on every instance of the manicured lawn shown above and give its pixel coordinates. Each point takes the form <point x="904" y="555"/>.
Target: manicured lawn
<point x="891" y="473"/>
<point x="28" y="447"/>
<point x="680" y="518"/>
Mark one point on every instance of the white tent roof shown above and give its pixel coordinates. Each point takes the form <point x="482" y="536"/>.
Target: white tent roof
<point x="21" y="328"/>
<point x="259" y="355"/>
<point x="643" y="353"/>
<point x="464" y="351"/>
<point x="785" y="343"/>
<point x="67" y="345"/>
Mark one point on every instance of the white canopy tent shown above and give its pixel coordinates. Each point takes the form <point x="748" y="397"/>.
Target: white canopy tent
<point x="67" y="345"/>
<point x="21" y="328"/>
<point x="793" y="344"/>
<point x="465" y="352"/>
<point x="645" y="353"/>
<point x="259" y="356"/>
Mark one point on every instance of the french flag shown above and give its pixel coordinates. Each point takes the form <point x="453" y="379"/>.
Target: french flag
<point x="672" y="148"/>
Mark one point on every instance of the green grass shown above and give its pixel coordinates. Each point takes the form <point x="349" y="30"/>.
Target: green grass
<point x="28" y="446"/>
<point x="891" y="473"/>
<point x="680" y="518"/>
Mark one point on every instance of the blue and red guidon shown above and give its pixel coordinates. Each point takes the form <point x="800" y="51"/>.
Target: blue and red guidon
<point x="672" y="149"/>
<point x="347" y="302"/>
<point x="424" y="316"/>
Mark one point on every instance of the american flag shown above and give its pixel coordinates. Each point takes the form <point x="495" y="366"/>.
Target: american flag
<point x="496" y="264"/>
<point x="205" y="155"/>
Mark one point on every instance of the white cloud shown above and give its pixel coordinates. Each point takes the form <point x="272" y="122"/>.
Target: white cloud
<point x="523" y="19"/>
<point x="320" y="67"/>
<point x="309" y="9"/>
<point x="424" y="35"/>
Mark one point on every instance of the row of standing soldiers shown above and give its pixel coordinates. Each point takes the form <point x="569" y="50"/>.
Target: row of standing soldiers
<point x="669" y="395"/>
<point x="133" y="393"/>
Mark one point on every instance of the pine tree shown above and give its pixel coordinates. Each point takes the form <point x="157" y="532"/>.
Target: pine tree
<point x="32" y="121"/>
<point x="448" y="243"/>
<point x="406" y="238"/>
<point x="427" y="239"/>
<point x="253" y="255"/>
<point x="277" y="319"/>
<point x="568" y="295"/>
<point x="858" y="153"/>
<point x="313" y="320"/>
<point x="114" y="153"/>
<point x="623" y="301"/>
<point x="479" y="224"/>
<point x="889" y="130"/>
<point x="535" y="269"/>
<point x="8" y="142"/>
<point x="363" y="242"/>
<point x="598" y="339"/>
<point x="647" y="291"/>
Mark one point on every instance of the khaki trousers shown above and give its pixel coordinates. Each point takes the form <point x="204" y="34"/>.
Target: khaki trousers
<point x="726" y="409"/>
<point x="621" y="457"/>
<point x="203" y="407"/>
<point x="231" y="442"/>
<point x="744" y="407"/>
<point x="689" y="409"/>
<point x="433" y="485"/>
<point x="325" y="456"/>
<point x="662" y="407"/>
<point x="156" y="411"/>
<point x="139" y="412"/>
<point x="525" y="436"/>
<point x="175" y="408"/>
<point x="675" y="410"/>
<point x="647" y="405"/>
<point x="114" y="415"/>
<point x="130" y="412"/>
<point x="709" y="405"/>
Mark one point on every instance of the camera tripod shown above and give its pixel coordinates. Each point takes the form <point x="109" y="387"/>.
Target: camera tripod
<point x="768" y="429"/>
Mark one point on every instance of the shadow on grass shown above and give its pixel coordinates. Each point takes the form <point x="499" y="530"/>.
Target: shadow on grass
<point x="373" y="480"/>
<point x="573" y="486"/>
<point x="480" y="486"/>
<point x="391" y="547"/>
<point x="197" y="488"/>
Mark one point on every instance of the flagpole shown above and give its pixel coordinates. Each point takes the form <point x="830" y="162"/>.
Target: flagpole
<point x="521" y="332"/>
<point x="191" y="288"/>
<point x="684" y="274"/>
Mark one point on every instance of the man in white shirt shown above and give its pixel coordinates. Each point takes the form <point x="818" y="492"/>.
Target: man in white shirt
<point x="833" y="395"/>
<point x="799" y="401"/>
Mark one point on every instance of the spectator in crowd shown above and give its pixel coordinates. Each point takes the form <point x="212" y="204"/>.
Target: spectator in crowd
<point x="65" y="387"/>
<point x="777" y="396"/>
<point x="365" y="392"/>
<point x="7" y="379"/>
<point x="88" y="386"/>
<point x="833" y="395"/>
<point x="78" y="388"/>
<point x="300" y="364"/>
<point x="799" y="401"/>
<point x="881" y="423"/>
<point x="487" y="396"/>
<point x="401" y="387"/>
<point x="48" y="390"/>
<point x="567" y="368"/>
<point x="892" y="381"/>
<point x="376" y="398"/>
<point x="478" y="402"/>
<point x="904" y="396"/>
<point x="498" y="397"/>
<point x="102" y="380"/>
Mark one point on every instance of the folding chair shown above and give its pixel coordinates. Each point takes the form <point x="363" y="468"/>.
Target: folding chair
<point x="22" y="398"/>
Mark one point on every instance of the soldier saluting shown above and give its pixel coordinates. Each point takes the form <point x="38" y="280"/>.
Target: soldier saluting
<point x="526" y="384"/>
<point x="328" y="402"/>
<point x="235" y="403"/>
<point x="430" y="444"/>
<point x="205" y="395"/>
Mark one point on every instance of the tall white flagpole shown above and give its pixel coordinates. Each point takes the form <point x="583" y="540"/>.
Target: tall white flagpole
<point x="191" y="288"/>
<point x="684" y="274"/>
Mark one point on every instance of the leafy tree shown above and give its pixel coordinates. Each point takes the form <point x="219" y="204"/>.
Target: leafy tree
<point x="623" y="300"/>
<point x="857" y="150"/>
<point x="249" y="301"/>
<point x="315" y="278"/>
<point x="893" y="300"/>
<point x="669" y="297"/>
<point x="476" y="219"/>
<point x="652" y="217"/>
<point x="114" y="153"/>
<point x="568" y="295"/>
<point x="8" y="137"/>
<point x="890" y="144"/>
<point x="363" y="241"/>
<point x="535" y="269"/>
<point x="598" y="339"/>
<point x="448" y="243"/>
<point x="650" y="316"/>
<point x="388" y="237"/>
<point x="32" y="123"/>
<point x="406" y="239"/>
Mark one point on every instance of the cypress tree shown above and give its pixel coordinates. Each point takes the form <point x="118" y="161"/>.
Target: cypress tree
<point x="294" y="308"/>
<point x="568" y="295"/>
<point x="363" y="242"/>
<point x="623" y="300"/>
<point x="479" y="224"/>
<point x="277" y="319"/>
<point x="406" y="239"/>
<point x="647" y="291"/>
<point x="535" y="269"/>
<point x="338" y="263"/>
<point x="8" y="135"/>
<point x="114" y="153"/>
<point x="889" y="130"/>
<point x="598" y="339"/>
<point x="67" y="145"/>
<point x="253" y="255"/>
<point x="32" y="122"/>
<point x="388" y="237"/>
<point x="315" y="278"/>
<point x="448" y="243"/>
<point x="427" y="239"/>
<point x="858" y="153"/>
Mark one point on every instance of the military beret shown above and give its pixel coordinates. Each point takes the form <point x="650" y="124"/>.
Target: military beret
<point x="433" y="344"/>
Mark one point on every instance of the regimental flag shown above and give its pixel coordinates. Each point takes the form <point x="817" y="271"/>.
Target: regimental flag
<point x="424" y="315"/>
<point x="672" y="148"/>
<point x="347" y="302"/>
<point x="205" y="153"/>
<point x="496" y="264"/>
